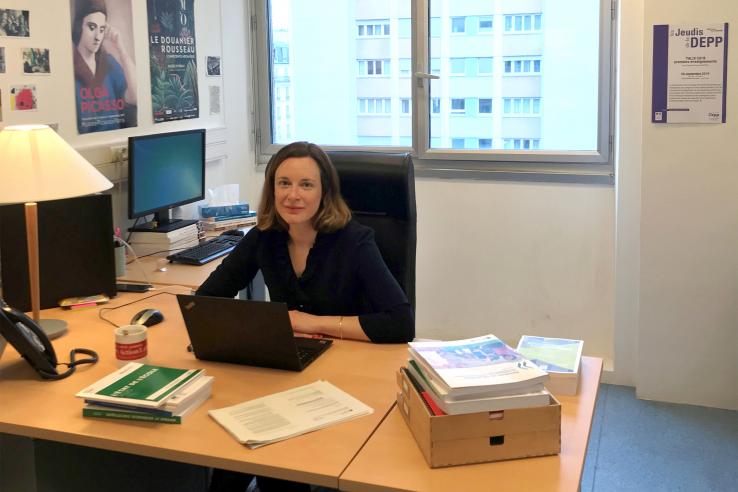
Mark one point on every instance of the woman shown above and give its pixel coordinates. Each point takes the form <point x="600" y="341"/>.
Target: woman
<point x="105" y="85"/>
<point x="314" y="257"/>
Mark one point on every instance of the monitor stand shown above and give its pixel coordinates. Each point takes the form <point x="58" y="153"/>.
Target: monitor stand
<point x="162" y="226"/>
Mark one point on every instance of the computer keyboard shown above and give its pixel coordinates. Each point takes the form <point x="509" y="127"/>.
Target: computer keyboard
<point x="206" y="251"/>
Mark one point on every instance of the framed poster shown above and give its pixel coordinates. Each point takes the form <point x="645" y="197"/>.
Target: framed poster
<point x="689" y="73"/>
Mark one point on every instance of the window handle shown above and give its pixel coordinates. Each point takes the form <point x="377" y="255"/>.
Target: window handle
<point x="420" y="76"/>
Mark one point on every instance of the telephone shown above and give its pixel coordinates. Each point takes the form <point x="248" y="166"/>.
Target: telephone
<point x="32" y="344"/>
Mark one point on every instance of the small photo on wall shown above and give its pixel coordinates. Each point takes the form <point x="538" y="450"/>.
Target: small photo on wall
<point x="2" y="59"/>
<point x="213" y="64"/>
<point x="23" y="98"/>
<point x="15" y="23"/>
<point x="1" y="105"/>
<point x="36" y="61"/>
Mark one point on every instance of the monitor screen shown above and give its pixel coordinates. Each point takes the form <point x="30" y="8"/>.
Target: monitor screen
<point x="164" y="171"/>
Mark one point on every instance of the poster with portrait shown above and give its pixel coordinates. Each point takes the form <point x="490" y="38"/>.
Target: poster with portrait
<point x="173" y="60"/>
<point x="104" y="65"/>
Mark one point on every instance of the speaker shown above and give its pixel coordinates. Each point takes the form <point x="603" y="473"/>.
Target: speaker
<point x="76" y="255"/>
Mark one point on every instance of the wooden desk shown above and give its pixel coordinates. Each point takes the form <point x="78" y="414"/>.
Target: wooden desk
<point x="49" y="410"/>
<point x="391" y="460"/>
<point x="147" y="270"/>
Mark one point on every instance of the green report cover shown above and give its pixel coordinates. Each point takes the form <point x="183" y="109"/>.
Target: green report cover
<point x="140" y="385"/>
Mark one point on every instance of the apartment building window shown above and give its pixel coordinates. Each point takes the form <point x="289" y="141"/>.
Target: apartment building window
<point x="458" y="106"/>
<point x="485" y="23"/>
<point x="375" y="105"/>
<point x="435" y="27"/>
<point x="522" y="22"/>
<point x="522" y="144"/>
<point x="373" y="28"/>
<point x="404" y="26"/>
<point x="435" y="105"/>
<point x="522" y="66"/>
<point x="522" y="105"/>
<point x="374" y="68"/>
<point x="405" y="105"/>
<point x="484" y="66"/>
<point x="457" y="66"/>
<point x="404" y="67"/>
<point x="303" y="47"/>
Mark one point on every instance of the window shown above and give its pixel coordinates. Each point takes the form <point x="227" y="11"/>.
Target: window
<point x="349" y="85"/>
<point x="457" y="66"/>
<point x="485" y="23"/>
<point x="435" y="66"/>
<point x="522" y="105"/>
<point x="374" y="68"/>
<point x="522" y="144"/>
<point x="405" y="105"/>
<point x="404" y="67"/>
<point x="404" y="27"/>
<point x="457" y="143"/>
<point x="522" y="66"/>
<point x="484" y="66"/>
<point x="458" y="105"/>
<point x="375" y="105"/>
<point x="458" y="25"/>
<point x="522" y="22"/>
<point x="435" y="105"/>
<point x="373" y="28"/>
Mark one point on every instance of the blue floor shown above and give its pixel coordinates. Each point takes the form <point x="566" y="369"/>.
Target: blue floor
<point x="638" y="445"/>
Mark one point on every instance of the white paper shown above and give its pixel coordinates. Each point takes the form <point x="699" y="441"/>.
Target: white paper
<point x="226" y="194"/>
<point x="290" y="413"/>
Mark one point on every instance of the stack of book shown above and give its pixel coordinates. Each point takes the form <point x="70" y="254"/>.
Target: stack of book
<point x="479" y="374"/>
<point x="217" y="218"/>
<point x="559" y="357"/>
<point x="146" y="243"/>
<point x="146" y="393"/>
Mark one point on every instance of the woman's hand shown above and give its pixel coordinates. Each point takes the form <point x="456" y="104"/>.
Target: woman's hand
<point x="112" y="36"/>
<point x="304" y="322"/>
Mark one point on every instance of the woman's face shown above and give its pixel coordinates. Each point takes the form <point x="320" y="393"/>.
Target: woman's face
<point x="297" y="190"/>
<point x="93" y="32"/>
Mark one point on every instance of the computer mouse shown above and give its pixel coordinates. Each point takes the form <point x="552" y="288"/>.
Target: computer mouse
<point x="147" y="317"/>
<point x="232" y="232"/>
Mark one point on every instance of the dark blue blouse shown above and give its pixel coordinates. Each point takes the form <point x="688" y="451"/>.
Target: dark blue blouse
<point x="345" y="275"/>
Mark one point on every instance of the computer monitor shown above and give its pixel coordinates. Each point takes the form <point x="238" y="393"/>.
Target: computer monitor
<point x="165" y="170"/>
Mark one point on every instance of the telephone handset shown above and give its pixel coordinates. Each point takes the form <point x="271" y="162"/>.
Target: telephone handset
<point x="32" y="344"/>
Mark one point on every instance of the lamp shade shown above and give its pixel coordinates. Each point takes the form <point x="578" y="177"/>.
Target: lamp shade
<point x="36" y="165"/>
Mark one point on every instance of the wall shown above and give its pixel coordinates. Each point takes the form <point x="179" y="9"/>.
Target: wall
<point x="688" y="335"/>
<point x="228" y="143"/>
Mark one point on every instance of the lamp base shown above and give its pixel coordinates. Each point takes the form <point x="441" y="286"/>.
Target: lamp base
<point x="53" y="328"/>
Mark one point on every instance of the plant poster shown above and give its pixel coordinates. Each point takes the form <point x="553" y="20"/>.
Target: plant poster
<point x="173" y="60"/>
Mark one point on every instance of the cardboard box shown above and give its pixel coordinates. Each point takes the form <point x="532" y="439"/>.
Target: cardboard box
<point x="480" y="437"/>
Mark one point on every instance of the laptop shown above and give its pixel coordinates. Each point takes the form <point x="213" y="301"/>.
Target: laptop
<point x="253" y="333"/>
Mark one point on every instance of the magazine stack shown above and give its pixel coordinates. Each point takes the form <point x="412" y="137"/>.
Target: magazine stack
<point x="220" y="218"/>
<point x="478" y="374"/>
<point x="146" y="393"/>
<point x="476" y="400"/>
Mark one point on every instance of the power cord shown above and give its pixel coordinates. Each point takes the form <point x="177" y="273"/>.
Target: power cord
<point x="101" y="311"/>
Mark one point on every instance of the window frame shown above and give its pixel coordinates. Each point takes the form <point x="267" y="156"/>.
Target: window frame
<point x="588" y="166"/>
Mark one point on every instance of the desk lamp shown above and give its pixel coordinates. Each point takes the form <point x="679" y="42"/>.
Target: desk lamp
<point x="36" y="165"/>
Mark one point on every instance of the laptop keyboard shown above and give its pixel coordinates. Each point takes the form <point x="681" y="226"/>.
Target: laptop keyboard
<point x="305" y="354"/>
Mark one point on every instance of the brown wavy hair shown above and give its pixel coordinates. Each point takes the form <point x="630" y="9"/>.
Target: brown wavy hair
<point x="333" y="213"/>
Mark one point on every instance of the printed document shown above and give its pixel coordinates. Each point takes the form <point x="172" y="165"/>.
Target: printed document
<point x="290" y="413"/>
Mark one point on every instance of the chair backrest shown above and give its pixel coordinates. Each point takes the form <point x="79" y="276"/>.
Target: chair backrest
<point x="380" y="189"/>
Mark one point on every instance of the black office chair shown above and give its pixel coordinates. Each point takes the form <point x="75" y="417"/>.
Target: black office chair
<point x="380" y="189"/>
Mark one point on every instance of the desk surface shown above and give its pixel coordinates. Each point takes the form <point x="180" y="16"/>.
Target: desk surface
<point x="391" y="460"/>
<point x="49" y="410"/>
<point x="147" y="270"/>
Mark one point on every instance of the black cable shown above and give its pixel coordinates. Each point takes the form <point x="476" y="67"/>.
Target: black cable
<point x="72" y="364"/>
<point x="100" y="311"/>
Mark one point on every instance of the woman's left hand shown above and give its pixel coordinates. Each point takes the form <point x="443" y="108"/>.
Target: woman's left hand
<point x="304" y="322"/>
